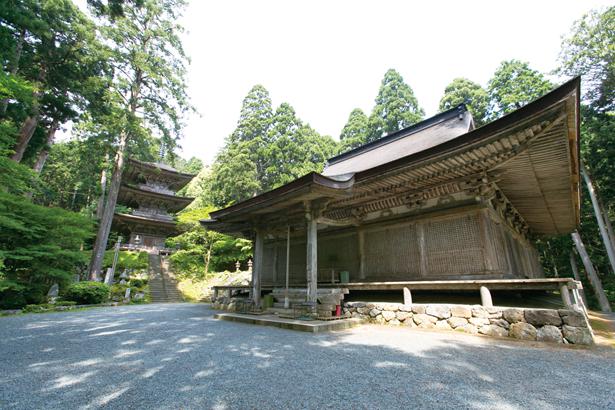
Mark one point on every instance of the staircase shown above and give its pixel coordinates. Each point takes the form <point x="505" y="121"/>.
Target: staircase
<point x="162" y="283"/>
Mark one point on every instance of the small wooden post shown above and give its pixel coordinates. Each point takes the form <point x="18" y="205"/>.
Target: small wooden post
<point x="407" y="297"/>
<point x="597" y="211"/>
<point x="485" y="297"/>
<point x="591" y="273"/>
<point x="286" y="301"/>
<point x="257" y="268"/>
<point x="116" y="255"/>
<point x="575" y="273"/>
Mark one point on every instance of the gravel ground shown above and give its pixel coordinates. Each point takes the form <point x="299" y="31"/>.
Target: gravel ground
<point x="178" y="356"/>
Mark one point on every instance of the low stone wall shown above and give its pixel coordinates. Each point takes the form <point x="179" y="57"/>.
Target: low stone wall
<point x="547" y="325"/>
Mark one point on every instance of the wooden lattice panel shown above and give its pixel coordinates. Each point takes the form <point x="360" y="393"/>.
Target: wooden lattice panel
<point x="454" y="246"/>
<point x="393" y="252"/>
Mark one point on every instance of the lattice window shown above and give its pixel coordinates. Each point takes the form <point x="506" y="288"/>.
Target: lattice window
<point x="392" y="253"/>
<point x="454" y="246"/>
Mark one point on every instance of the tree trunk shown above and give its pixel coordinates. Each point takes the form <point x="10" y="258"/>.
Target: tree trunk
<point x="591" y="273"/>
<point x="25" y="135"/>
<point x="607" y="221"/>
<point x="15" y="66"/>
<point x="601" y="224"/>
<point x="98" y="252"/>
<point x="44" y="154"/>
<point x="103" y="187"/>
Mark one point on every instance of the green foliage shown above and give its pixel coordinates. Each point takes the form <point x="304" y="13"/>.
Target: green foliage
<point x="39" y="245"/>
<point x="513" y="85"/>
<point x="201" y="251"/>
<point x="134" y="260"/>
<point x="71" y="175"/>
<point x="87" y="293"/>
<point x="589" y="51"/>
<point x="137" y="283"/>
<point x="266" y="150"/>
<point x="354" y="133"/>
<point x="396" y="107"/>
<point x="475" y="97"/>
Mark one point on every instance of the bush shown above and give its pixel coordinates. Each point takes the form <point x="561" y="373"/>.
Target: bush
<point x="11" y="294"/>
<point x="137" y="283"/>
<point x="86" y="293"/>
<point x="64" y="303"/>
<point x="36" y="308"/>
<point x="12" y="299"/>
<point x="134" y="260"/>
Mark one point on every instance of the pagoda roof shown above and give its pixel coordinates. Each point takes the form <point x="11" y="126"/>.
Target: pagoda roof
<point x="136" y="170"/>
<point x="135" y="221"/>
<point x="132" y="196"/>
<point x="531" y="154"/>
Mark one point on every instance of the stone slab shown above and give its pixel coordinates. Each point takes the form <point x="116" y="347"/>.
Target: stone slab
<point x="312" y="326"/>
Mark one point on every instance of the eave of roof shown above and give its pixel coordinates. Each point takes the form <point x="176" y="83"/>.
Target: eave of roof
<point x="492" y="128"/>
<point x="146" y="221"/>
<point x="299" y="185"/>
<point x="181" y="200"/>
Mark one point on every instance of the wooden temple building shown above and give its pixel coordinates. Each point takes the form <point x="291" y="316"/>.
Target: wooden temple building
<point x="150" y="190"/>
<point x="438" y="205"/>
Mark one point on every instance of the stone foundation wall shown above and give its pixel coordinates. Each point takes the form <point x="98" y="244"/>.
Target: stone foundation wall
<point x="547" y="325"/>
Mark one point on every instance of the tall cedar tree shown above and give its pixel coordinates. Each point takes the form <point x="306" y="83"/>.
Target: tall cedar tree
<point x="462" y="90"/>
<point x="354" y="133"/>
<point x="589" y="51"/>
<point x="266" y="150"/>
<point x="51" y="44"/>
<point x="513" y="85"/>
<point x="148" y="93"/>
<point x="396" y="107"/>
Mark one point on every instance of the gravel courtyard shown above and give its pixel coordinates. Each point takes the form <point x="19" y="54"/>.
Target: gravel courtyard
<point x="178" y="356"/>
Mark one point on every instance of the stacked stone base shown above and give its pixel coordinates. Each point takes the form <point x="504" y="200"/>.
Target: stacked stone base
<point x="546" y="325"/>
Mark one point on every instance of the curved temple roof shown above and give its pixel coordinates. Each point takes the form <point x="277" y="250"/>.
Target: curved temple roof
<point x="136" y="169"/>
<point x="532" y="154"/>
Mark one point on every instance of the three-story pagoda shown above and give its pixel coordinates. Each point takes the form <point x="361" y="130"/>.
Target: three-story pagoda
<point x="150" y="190"/>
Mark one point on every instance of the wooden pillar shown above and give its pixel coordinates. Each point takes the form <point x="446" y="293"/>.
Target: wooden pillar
<point x="575" y="273"/>
<point x="257" y="269"/>
<point x="591" y="273"/>
<point x="601" y="224"/>
<point x="361" y="236"/>
<point x="312" y="258"/>
<point x="286" y="301"/>
<point x="487" y="241"/>
<point x="420" y="233"/>
<point x="275" y="264"/>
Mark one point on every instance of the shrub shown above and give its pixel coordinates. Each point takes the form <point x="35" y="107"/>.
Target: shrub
<point x="36" y="308"/>
<point x="135" y="260"/>
<point x="11" y="295"/>
<point x="137" y="283"/>
<point x="65" y="303"/>
<point x="87" y="293"/>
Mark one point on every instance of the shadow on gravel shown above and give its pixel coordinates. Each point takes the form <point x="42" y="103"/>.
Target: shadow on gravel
<point x="178" y="356"/>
